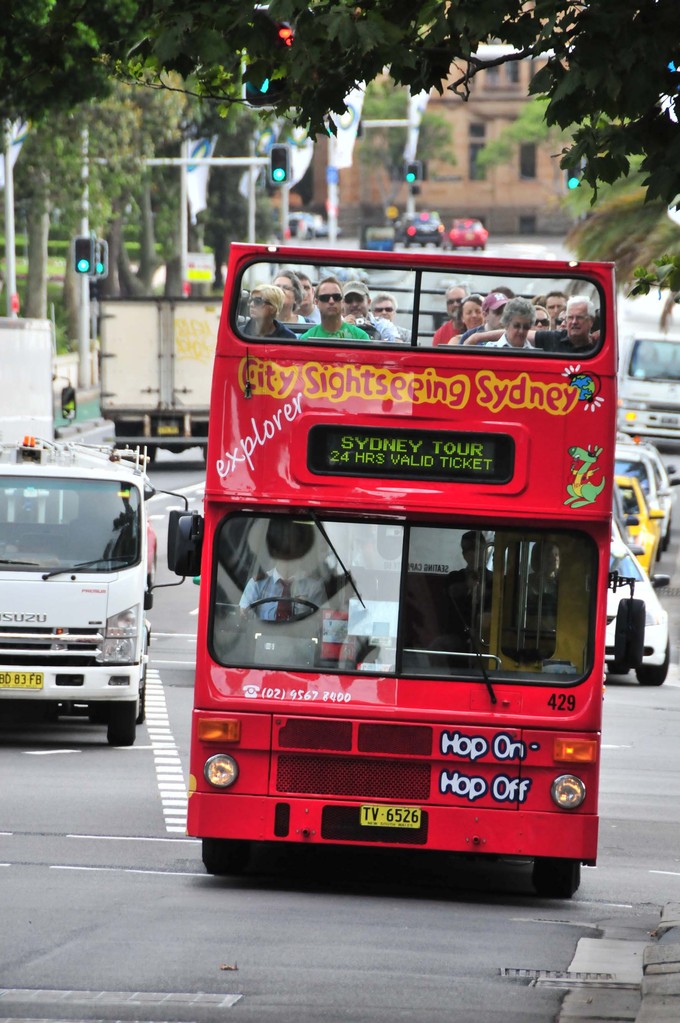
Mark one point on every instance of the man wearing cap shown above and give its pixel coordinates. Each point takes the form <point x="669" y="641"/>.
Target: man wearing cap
<point x="492" y="307"/>
<point x="356" y="309"/>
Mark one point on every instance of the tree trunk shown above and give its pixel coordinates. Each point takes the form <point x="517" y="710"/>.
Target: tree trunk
<point x="148" y="261"/>
<point x="37" y="230"/>
<point x="38" y="227"/>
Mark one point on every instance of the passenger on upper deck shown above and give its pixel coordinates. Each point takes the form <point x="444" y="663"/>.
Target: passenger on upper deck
<point x="492" y="308"/>
<point x="454" y="325"/>
<point x="356" y="300"/>
<point x="290" y="284"/>
<point x="576" y="339"/>
<point x="517" y="318"/>
<point x="307" y="307"/>
<point x="264" y="304"/>
<point x="385" y="304"/>
<point x="555" y="303"/>
<point x="472" y="317"/>
<point x="329" y="302"/>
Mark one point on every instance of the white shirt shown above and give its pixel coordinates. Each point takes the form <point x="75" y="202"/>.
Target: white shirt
<point x="271" y="586"/>
<point x="504" y="343"/>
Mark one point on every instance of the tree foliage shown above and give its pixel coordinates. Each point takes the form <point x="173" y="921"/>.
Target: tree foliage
<point x="604" y="66"/>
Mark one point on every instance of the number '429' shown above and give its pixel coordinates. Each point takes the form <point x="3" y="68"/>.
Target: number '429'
<point x="562" y="701"/>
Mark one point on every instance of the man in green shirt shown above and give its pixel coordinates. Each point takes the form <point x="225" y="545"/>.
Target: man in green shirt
<point x="329" y="300"/>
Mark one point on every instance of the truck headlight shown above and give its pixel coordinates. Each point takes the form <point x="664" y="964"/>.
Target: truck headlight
<point x="120" y="637"/>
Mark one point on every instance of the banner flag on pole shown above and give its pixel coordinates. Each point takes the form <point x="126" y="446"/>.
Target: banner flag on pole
<point x="17" y="136"/>
<point x="347" y="125"/>
<point x="198" y="174"/>
<point x="301" y="153"/>
<point x="416" y="109"/>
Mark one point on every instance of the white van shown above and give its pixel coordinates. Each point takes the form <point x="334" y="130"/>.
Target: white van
<point x="649" y="386"/>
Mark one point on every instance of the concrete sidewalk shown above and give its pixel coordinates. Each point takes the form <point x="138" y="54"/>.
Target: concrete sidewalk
<point x="621" y="981"/>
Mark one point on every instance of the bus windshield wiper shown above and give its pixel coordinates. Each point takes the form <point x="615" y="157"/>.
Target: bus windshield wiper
<point x="11" y="561"/>
<point x="479" y="656"/>
<point x="348" y="575"/>
<point x="81" y="565"/>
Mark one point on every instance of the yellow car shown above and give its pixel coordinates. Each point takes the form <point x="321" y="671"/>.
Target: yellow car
<point x="642" y="522"/>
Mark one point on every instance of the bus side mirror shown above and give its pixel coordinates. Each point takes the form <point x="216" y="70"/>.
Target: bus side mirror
<point x="629" y="636"/>
<point x="68" y="403"/>
<point x="185" y="542"/>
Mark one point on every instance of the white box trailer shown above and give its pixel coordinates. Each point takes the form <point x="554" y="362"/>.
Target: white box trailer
<point x="26" y="368"/>
<point x="156" y="370"/>
<point x="76" y="564"/>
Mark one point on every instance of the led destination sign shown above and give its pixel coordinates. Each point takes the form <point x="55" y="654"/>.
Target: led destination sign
<point x="444" y="455"/>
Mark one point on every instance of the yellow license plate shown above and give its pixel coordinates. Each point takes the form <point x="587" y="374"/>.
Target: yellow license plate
<point x="168" y="430"/>
<point x="21" y="680"/>
<point x="377" y="815"/>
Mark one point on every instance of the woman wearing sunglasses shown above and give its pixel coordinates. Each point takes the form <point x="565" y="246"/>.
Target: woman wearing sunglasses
<point x="265" y="303"/>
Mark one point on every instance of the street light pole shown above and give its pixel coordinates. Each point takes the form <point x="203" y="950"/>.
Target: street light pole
<point x="84" y="373"/>
<point x="10" y="245"/>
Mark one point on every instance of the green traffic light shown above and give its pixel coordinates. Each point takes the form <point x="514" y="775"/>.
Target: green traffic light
<point x="83" y="266"/>
<point x="573" y="182"/>
<point x="279" y="174"/>
<point x="410" y="177"/>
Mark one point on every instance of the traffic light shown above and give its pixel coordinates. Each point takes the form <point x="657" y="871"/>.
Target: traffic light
<point x="279" y="165"/>
<point x="573" y="177"/>
<point x="83" y="255"/>
<point x="101" y="258"/>
<point x="262" y="90"/>
<point x="413" y="171"/>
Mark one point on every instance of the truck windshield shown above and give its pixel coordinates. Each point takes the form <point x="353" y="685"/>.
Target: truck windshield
<point x="402" y="599"/>
<point x="52" y="523"/>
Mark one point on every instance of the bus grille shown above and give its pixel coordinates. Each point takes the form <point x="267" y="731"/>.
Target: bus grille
<point x="353" y="777"/>
<point x="371" y="737"/>
<point x="342" y="824"/>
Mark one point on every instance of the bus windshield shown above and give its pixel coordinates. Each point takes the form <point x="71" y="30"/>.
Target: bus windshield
<point x="438" y="602"/>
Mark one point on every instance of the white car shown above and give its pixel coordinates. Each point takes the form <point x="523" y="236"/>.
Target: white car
<point x="644" y="461"/>
<point x="657" y="648"/>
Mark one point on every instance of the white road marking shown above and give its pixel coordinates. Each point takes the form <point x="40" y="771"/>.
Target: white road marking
<point x="48" y="752"/>
<point x="169" y="772"/>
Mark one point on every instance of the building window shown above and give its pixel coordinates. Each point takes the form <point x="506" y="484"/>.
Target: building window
<point x="512" y="72"/>
<point x="492" y="77"/>
<point x="477" y="131"/>
<point x="475" y="173"/>
<point x="527" y="161"/>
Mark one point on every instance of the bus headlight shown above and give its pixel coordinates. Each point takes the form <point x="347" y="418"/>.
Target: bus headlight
<point x="568" y="791"/>
<point x="220" y="770"/>
<point x="120" y="638"/>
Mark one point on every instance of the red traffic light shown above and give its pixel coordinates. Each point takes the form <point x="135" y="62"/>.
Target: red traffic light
<point x="285" y="34"/>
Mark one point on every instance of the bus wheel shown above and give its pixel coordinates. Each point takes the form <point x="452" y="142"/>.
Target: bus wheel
<point x="223" y="856"/>
<point x="556" y="878"/>
<point x="122" y="723"/>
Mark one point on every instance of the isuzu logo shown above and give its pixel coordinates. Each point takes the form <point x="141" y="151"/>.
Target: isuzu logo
<point x="22" y="616"/>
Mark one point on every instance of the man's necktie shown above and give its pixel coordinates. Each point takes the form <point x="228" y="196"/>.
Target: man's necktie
<point x="284" y="607"/>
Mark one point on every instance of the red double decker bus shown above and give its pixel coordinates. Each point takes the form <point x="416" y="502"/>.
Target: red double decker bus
<point x="405" y="552"/>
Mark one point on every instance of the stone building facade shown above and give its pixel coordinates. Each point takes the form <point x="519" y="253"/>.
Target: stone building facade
<point x="522" y="196"/>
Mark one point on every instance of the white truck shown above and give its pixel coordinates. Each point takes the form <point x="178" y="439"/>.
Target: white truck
<point x="156" y="370"/>
<point x="76" y="564"/>
<point x="26" y="359"/>
<point x="649" y="370"/>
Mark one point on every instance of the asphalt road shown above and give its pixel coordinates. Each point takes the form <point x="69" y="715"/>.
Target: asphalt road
<point x="109" y="914"/>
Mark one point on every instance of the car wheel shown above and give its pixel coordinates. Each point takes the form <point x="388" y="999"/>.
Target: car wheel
<point x="654" y="674"/>
<point x="666" y="539"/>
<point x="617" y="669"/>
